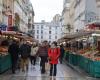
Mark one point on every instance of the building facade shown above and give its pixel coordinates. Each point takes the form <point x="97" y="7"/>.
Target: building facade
<point x="66" y="26"/>
<point x="17" y="14"/>
<point x="50" y="31"/>
<point x="78" y="13"/>
<point x="85" y="12"/>
<point x="98" y="8"/>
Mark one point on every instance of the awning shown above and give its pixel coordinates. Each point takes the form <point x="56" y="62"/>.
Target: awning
<point x="69" y="37"/>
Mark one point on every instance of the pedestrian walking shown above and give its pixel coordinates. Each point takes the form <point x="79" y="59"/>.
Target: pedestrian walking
<point x="14" y="50"/>
<point x="53" y="53"/>
<point x="62" y="51"/>
<point x="25" y="54"/>
<point x="43" y="54"/>
<point x="33" y="56"/>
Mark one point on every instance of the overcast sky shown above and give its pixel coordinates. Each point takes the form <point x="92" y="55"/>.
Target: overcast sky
<point x="46" y="9"/>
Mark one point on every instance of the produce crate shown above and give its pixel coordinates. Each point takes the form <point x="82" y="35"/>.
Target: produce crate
<point x="81" y="61"/>
<point x="94" y="68"/>
<point x="70" y="58"/>
<point x="67" y="56"/>
<point x="5" y="63"/>
<point x="86" y="65"/>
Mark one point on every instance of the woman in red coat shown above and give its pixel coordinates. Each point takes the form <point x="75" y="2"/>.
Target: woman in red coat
<point x="53" y="54"/>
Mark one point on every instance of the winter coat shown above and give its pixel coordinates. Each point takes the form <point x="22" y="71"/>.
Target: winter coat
<point x="62" y="51"/>
<point x="34" y="51"/>
<point x="53" y="55"/>
<point x="13" y="50"/>
<point x="25" y="51"/>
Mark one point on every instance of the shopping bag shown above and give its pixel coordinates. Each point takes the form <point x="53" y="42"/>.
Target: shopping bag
<point x="47" y="66"/>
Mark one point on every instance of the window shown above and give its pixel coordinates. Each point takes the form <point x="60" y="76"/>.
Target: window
<point x="41" y="26"/>
<point x="33" y="27"/>
<point x="56" y="27"/>
<point x="55" y="32"/>
<point x="37" y="26"/>
<point x="37" y="36"/>
<point x="49" y="32"/>
<point x="41" y="31"/>
<point x="55" y="37"/>
<point x="49" y="27"/>
<point x="37" y="31"/>
<point x="50" y="37"/>
<point x="41" y="37"/>
<point x="49" y="41"/>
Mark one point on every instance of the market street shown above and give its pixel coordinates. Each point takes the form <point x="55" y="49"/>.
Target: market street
<point x="64" y="73"/>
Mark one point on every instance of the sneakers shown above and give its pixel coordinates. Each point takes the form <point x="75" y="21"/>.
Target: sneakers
<point x="54" y="77"/>
<point x="50" y="77"/>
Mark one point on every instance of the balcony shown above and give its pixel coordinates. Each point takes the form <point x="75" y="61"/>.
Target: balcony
<point x="7" y="10"/>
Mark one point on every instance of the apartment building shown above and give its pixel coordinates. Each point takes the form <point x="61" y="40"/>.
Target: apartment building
<point x="17" y="14"/>
<point x="50" y="31"/>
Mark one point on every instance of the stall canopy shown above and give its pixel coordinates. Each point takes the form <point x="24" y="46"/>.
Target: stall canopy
<point x="75" y="35"/>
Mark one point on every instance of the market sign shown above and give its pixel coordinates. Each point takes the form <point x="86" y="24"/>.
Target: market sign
<point x="9" y="23"/>
<point x="3" y="27"/>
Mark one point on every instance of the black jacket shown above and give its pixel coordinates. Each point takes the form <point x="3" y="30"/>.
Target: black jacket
<point x="62" y="51"/>
<point x="14" y="50"/>
<point x="25" y="51"/>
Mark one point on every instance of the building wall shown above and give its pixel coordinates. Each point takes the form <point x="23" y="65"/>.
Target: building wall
<point x="78" y="13"/>
<point x="1" y="11"/>
<point x="49" y="31"/>
<point x="72" y="13"/>
<point x="85" y="12"/>
<point x="98" y="8"/>
<point x="19" y="7"/>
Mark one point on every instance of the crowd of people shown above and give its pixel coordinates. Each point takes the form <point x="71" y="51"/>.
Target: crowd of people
<point x="22" y="53"/>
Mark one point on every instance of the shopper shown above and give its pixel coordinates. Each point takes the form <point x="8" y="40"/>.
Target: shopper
<point x="33" y="56"/>
<point x="43" y="54"/>
<point x="53" y="53"/>
<point x="25" y="54"/>
<point x="62" y="51"/>
<point x="14" y="50"/>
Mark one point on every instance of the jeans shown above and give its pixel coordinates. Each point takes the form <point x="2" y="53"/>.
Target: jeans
<point x="24" y="64"/>
<point x="42" y="63"/>
<point x="14" y="64"/>
<point x="53" y="69"/>
<point x="33" y="59"/>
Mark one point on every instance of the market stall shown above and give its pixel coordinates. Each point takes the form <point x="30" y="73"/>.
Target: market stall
<point x="6" y="38"/>
<point x="5" y="58"/>
<point x="83" y="50"/>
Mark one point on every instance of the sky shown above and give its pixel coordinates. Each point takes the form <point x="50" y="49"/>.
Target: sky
<point x="46" y="9"/>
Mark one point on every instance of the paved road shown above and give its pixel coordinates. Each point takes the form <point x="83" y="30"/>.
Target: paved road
<point x="64" y="73"/>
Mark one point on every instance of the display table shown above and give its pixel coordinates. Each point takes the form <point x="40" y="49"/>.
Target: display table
<point x="5" y="63"/>
<point x="90" y="66"/>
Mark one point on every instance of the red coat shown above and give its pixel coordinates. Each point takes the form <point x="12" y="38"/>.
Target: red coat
<point x="53" y="55"/>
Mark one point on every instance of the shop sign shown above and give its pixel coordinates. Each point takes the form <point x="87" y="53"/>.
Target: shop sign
<point x="3" y="27"/>
<point x="9" y="22"/>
